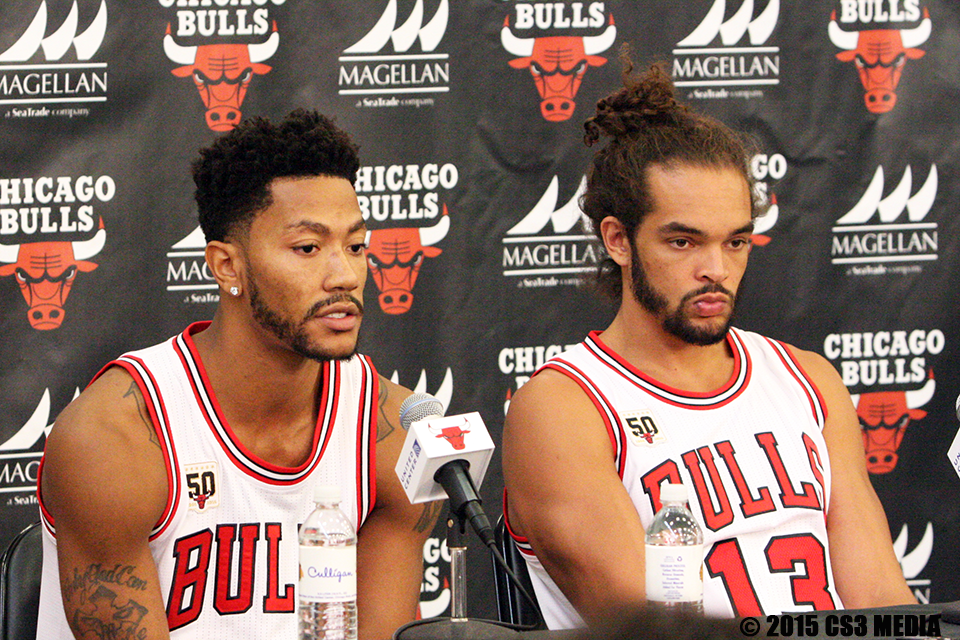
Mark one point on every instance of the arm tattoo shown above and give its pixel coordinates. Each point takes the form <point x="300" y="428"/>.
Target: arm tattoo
<point x="428" y="517"/>
<point x="142" y="411"/>
<point x="99" y="612"/>
<point x="385" y="426"/>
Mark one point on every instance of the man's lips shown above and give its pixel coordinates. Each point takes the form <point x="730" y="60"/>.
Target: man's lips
<point x="712" y="304"/>
<point x="339" y="317"/>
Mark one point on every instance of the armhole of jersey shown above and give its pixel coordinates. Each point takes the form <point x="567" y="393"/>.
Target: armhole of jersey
<point x="523" y="544"/>
<point x="161" y="426"/>
<point x="609" y="416"/>
<point x="367" y="416"/>
<point x="817" y="405"/>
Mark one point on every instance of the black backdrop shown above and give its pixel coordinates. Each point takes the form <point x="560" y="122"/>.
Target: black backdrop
<point x="857" y="259"/>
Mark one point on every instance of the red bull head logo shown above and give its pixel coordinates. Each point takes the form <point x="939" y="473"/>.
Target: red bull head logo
<point x="557" y="64"/>
<point x="454" y="435"/>
<point x="45" y="272"/>
<point x="880" y="56"/>
<point x="222" y="74"/>
<point x="395" y="257"/>
<point x="884" y="417"/>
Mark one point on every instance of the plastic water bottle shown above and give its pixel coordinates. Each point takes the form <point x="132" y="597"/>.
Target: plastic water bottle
<point x="674" y="553"/>
<point x="328" y="571"/>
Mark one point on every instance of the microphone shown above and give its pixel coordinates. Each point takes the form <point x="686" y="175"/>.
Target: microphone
<point x="445" y="457"/>
<point x="958" y="407"/>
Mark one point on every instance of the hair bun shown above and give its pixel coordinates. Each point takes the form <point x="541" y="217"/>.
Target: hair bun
<point x="645" y="101"/>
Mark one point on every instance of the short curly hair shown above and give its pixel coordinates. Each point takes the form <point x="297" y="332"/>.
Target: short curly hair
<point x="233" y="174"/>
<point x="647" y="125"/>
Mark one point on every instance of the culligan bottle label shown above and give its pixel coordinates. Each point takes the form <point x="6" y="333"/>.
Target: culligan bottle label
<point x="674" y="573"/>
<point x="328" y="574"/>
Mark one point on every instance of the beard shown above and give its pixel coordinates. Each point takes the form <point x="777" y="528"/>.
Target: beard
<point x="293" y="333"/>
<point x="676" y="322"/>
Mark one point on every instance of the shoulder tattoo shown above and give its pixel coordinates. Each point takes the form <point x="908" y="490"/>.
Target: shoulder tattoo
<point x="385" y="424"/>
<point x="134" y="392"/>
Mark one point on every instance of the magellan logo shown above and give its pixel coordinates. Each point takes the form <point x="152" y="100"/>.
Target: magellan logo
<point x="879" y="54"/>
<point x="729" y="70"/>
<point x="443" y="393"/>
<point x="187" y="269"/>
<point x="55" y="82"/>
<point x="892" y="241"/>
<point x="221" y="73"/>
<point x="365" y="70"/>
<point x="537" y="260"/>
<point x="18" y="460"/>
<point x="914" y="562"/>
<point x="557" y="63"/>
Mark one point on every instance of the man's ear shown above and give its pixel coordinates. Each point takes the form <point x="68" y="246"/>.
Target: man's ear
<point x="615" y="240"/>
<point x="225" y="261"/>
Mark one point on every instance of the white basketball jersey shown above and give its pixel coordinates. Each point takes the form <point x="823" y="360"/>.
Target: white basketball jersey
<point x="753" y="459"/>
<point x="226" y="546"/>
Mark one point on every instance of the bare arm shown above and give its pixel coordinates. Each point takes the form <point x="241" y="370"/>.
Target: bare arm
<point x="865" y="568"/>
<point x="104" y="483"/>
<point x="390" y="543"/>
<point x="565" y="496"/>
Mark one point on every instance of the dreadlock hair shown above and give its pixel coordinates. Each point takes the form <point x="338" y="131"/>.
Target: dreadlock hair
<point x="233" y="174"/>
<point x="648" y="126"/>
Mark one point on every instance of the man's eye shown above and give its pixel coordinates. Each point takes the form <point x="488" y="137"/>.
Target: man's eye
<point x="307" y="249"/>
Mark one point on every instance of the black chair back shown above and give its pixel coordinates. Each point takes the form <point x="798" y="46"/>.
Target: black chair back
<point x="20" y="568"/>
<point x="512" y="607"/>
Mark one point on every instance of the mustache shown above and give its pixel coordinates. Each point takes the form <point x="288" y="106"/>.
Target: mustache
<point x="710" y="288"/>
<point x="334" y="299"/>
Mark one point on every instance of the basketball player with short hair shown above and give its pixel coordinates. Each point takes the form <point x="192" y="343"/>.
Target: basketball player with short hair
<point x="172" y="489"/>
<point x="763" y="435"/>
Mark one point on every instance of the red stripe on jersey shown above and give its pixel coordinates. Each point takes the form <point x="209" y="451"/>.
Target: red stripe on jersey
<point x="736" y="385"/>
<point x="241" y="457"/>
<point x="817" y="406"/>
<point x="609" y="416"/>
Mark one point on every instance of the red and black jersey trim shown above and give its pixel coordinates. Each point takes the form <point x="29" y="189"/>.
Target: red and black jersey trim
<point x="367" y="439"/>
<point x="817" y="405"/>
<point x="735" y="386"/>
<point x="243" y="459"/>
<point x="610" y="417"/>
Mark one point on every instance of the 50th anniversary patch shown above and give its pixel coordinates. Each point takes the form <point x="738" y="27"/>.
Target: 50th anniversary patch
<point x="843" y="625"/>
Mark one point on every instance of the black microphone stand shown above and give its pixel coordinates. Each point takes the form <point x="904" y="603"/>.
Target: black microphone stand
<point x="457" y="626"/>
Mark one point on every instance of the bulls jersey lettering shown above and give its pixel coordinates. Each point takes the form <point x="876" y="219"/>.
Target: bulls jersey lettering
<point x="752" y="456"/>
<point x="227" y="544"/>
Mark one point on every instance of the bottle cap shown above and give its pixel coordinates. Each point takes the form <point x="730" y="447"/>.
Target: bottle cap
<point x="326" y="493"/>
<point x="673" y="493"/>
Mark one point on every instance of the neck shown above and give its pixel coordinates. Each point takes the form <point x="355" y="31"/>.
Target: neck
<point x="639" y="338"/>
<point x="259" y="385"/>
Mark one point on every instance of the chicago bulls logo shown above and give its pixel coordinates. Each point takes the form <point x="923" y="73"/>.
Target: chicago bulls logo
<point x="880" y="56"/>
<point x="45" y="272"/>
<point x="395" y="257"/>
<point x="557" y="64"/>
<point x="884" y="417"/>
<point x="453" y="434"/>
<point x="222" y="73"/>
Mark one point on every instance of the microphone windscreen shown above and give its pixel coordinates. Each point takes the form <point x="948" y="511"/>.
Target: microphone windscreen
<point x="419" y="406"/>
<point x="958" y="407"/>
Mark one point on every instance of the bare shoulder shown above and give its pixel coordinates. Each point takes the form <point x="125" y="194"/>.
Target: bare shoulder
<point x="549" y="401"/>
<point x="389" y="429"/>
<point x="103" y="455"/>
<point x="823" y="374"/>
